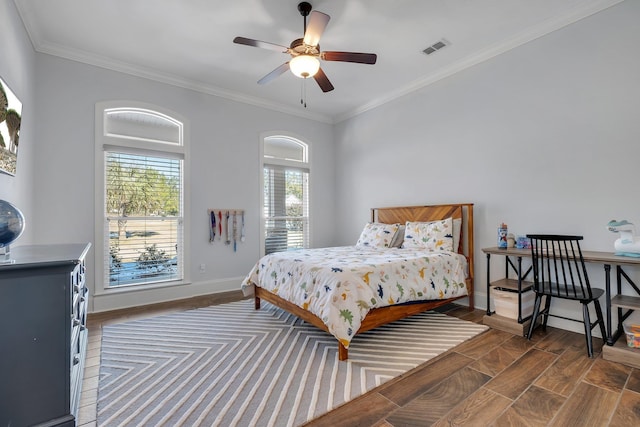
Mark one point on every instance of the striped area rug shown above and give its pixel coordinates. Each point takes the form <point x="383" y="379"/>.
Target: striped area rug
<point x="230" y="365"/>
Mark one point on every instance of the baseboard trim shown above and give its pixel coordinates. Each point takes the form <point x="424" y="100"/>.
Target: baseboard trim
<point x="178" y="304"/>
<point x="131" y="298"/>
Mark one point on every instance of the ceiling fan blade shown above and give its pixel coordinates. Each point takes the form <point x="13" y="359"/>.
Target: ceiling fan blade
<point x="317" y="23"/>
<point x="360" y="58"/>
<point x="261" y="44"/>
<point x="323" y="81"/>
<point x="275" y="73"/>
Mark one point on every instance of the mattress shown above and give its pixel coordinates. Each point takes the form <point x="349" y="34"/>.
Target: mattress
<point x="340" y="285"/>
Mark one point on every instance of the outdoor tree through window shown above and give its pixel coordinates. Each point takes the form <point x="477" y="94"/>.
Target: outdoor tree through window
<point x="143" y="207"/>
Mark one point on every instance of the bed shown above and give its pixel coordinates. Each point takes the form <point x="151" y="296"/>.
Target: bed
<point x="349" y="290"/>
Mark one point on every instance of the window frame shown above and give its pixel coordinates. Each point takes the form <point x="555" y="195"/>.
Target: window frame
<point x="145" y="146"/>
<point x="304" y="165"/>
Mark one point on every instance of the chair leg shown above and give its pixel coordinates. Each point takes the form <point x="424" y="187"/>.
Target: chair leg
<point x="547" y="308"/>
<point x="534" y="316"/>
<point x="587" y="328"/>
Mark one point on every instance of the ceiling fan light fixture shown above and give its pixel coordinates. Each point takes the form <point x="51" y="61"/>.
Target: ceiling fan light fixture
<point x="304" y="66"/>
<point x="305" y="52"/>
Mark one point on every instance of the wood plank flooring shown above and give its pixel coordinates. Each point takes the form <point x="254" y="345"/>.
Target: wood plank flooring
<point x="495" y="379"/>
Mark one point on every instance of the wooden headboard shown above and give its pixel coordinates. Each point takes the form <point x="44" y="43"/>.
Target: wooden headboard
<point x="402" y="214"/>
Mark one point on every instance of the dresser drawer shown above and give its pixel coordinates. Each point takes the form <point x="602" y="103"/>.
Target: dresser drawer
<point x="78" y="324"/>
<point x="79" y="293"/>
<point x="77" y="371"/>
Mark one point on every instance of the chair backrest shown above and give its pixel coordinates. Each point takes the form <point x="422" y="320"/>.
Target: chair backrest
<point x="558" y="266"/>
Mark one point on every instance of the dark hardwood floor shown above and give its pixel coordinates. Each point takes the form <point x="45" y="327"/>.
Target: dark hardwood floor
<point x="494" y="379"/>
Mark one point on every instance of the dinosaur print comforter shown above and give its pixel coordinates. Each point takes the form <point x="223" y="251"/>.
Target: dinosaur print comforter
<point x="341" y="284"/>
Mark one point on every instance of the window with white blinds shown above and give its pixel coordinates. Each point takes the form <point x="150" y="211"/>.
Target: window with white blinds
<point x="143" y="212"/>
<point x="142" y="160"/>
<point x="285" y="195"/>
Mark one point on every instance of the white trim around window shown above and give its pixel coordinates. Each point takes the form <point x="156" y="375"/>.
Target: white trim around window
<point x="142" y="136"/>
<point x="292" y="158"/>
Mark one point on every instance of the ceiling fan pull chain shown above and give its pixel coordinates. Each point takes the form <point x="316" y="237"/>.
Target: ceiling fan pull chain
<point x="303" y="93"/>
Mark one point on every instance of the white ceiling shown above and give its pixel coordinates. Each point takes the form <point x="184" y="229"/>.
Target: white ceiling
<point x="189" y="42"/>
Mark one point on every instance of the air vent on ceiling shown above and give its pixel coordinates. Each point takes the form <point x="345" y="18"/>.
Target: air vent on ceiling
<point x="436" y="46"/>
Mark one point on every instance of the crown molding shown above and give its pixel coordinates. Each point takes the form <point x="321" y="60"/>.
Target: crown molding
<point x="24" y="11"/>
<point x="531" y="34"/>
<point x="149" y="74"/>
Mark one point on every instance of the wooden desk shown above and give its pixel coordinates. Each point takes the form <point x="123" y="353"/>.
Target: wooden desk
<point x="621" y="302"/>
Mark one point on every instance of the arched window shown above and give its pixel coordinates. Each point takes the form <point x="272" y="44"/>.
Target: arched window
<point x="285" y="193"/>
<point x="140" y="170"/>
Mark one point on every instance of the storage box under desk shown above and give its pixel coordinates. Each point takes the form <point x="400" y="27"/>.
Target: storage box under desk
<point x="505" y="302"/>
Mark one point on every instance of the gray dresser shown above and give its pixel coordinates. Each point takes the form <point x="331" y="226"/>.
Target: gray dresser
<point x="43" y="334"/>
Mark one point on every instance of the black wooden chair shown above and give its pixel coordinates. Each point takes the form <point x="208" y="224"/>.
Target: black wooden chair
<point x="559" y="272"/>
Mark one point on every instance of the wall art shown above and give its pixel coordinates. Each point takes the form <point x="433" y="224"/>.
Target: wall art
<point x="10" y="119"/>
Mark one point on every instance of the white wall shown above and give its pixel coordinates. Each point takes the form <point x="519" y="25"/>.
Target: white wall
<point x="545" y="137"/>
<point x="17" y="64"/>
<point x="225" y="169"/>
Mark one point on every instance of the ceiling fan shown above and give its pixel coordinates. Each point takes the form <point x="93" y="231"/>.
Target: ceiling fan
<point x="305" y="52"/>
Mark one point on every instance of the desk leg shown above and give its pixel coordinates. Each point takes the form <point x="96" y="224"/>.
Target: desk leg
<point x="607" y="282"/>
<point x="488" y="285"/>
<point x="519" y="289"/>
<point x="619" y="273"/>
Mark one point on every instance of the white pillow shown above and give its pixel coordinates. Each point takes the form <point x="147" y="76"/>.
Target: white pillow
<point x="377" y="235"/>
<point x="431" y="236"/>
<point x="457" y="228"/>
<point x="397" y="242"/>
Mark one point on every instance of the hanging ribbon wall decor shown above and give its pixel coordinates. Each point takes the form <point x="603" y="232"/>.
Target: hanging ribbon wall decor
<point x="229" y="220"/>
